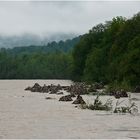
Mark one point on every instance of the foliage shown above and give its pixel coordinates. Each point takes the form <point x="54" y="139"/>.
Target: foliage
<point x="35" y="66"/>
<point x="98" y="105"/>
<point x="110" y="53"/>
<point x="132" y="108"/>
<point x="117" y="86"/>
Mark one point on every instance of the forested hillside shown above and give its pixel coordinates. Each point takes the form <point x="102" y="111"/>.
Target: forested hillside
<point x="61" y="46"/>
<point x="52" y="61"/>
<point x="110" y="53"/>
<point x="28" y="39"/>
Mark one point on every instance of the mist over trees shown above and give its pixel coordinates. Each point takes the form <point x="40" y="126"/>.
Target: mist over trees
<point x="61" y="46"/>
<point x="109" y="52"/>
<point x="30" y="39"/>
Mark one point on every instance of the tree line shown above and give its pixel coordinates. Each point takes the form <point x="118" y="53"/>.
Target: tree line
<point x="51" y="61"/>
<point x="109" y="52"/>
<point x="35" y="66"/>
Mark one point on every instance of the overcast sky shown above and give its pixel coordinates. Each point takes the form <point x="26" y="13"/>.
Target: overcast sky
<point x="59" y="17"/>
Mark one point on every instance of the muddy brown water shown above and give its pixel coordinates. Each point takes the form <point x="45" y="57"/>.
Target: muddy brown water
<point x="29" y="115"/>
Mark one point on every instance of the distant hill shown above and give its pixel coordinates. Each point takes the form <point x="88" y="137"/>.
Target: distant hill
<point x="31" y="39"/>
<point x="51" y="61"/>
<point x="61" y="46"/>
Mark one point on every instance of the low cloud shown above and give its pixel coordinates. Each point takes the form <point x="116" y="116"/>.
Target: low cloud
<point x="46" y="18"/>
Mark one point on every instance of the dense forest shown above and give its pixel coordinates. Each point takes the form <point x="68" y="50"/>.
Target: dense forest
<point x="51" y="61"/>
<point x="35" y="66"/>
<point x="110" y="53"/>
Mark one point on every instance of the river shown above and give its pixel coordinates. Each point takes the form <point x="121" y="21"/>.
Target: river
<point x="24" y="114"/>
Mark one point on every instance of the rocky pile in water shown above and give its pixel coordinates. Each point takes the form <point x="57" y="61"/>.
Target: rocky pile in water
<point x="52" y="89"/>
<point x="77" y="89"/>
<point x="35" y="88"/>
<point x="119" y="94"/>
<point x="79" y="100"/>
<point x="95" y="87"/>
<point x="66" y="98"/>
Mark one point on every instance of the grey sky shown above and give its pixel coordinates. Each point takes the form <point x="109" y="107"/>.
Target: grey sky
<point x="59" y="17"/>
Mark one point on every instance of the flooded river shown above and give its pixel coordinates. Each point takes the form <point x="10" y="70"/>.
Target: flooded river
<point x="24" y="114"/>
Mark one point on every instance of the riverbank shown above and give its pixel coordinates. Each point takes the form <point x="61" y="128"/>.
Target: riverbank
<point x="24" y="114"/>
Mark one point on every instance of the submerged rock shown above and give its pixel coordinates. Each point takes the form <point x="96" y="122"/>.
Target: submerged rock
<point x="36" y="85"/>
<point x="66" y="98"/>
<point x="36" y="88"/>
<point x="118" y="94"/>
<point x="53" y="89"/>
<point x="45" y="89"/>
<point x="60" y="93"/>
<point x="49" y="98"/>
<point x="28" y="88"/>
<point x="78" y="89"/>
<point x="123" y="93"/>
<point x="79" y="100"/>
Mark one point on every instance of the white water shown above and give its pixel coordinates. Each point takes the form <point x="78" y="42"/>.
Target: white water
<point x="32" y="116"/>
